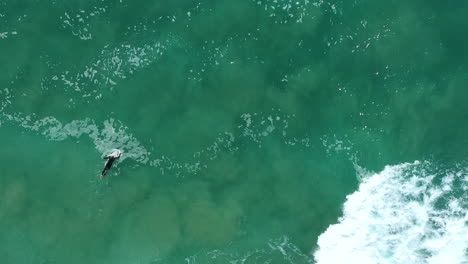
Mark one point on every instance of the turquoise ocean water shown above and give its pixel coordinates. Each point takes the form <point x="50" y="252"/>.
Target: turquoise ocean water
<point x="254" y="131"/>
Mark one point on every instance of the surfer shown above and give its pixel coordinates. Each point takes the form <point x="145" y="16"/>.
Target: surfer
<point x="110" y="160"/>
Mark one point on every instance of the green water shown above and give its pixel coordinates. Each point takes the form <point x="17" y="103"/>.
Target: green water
<point x="243" y="122"/>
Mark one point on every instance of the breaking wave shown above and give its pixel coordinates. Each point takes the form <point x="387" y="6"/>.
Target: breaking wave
<point x="409" y="213"/>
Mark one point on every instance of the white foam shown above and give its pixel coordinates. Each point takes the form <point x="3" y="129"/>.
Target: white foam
<point x="401" y="215"/>
<point x="109" y="135"/>
<point x="111" y="66"/>
<point x="5" y="99"/>
<point x="277" y="250"/>
<point x="284" y="11"/>
<point x="257" y="126"/>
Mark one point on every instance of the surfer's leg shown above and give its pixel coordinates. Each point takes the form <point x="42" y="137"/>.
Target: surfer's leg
<point x="104" y="172"/>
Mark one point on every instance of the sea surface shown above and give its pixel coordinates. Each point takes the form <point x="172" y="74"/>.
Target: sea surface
<point x="253" y="131"/>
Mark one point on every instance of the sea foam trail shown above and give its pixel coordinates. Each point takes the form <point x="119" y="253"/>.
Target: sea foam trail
<point x="410" y="213"/>
<point x="112" y="133"/>
<point x="106" y="136"/>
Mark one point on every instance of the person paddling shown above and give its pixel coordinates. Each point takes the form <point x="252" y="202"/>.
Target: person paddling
<point x="110" y="160"/>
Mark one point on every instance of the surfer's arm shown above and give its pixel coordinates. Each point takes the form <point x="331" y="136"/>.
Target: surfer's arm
<point x="105" y="157"/>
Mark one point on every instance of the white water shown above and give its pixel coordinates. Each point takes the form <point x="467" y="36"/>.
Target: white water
<point x="407" y="214"/>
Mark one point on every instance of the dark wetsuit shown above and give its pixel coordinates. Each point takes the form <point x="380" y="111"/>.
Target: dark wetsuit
<point x="110" y="161"/>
